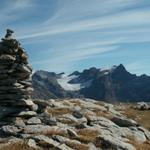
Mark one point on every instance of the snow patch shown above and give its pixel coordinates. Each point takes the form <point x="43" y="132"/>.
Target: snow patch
<point x="64" y="83"/>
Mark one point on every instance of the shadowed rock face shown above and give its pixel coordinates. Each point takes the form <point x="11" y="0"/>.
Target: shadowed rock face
<point x="15" y="78"/>
<point x="104" y="84"/>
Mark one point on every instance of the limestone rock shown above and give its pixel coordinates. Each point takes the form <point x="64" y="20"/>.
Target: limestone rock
<point x="146" y="132"/>
<point x="109" y="141"/>
<point x="19" y="122"/>
<point x="10" y="130"/>
<point x="27" y="114"/>
<point x="34" y="120"/>
<point x="77" y="114"/>
<point x="124" y="122"/>
<point x="32" y="144"/>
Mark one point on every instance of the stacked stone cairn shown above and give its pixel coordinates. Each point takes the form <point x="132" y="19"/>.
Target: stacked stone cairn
<point x="15" y="81"/>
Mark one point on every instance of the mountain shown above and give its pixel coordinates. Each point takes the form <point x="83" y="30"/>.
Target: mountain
<point x="114" y="84"/>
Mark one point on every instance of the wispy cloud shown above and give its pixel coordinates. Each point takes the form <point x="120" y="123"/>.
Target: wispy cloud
<point x="77" y="54"/>
<point x="67" y="32"/>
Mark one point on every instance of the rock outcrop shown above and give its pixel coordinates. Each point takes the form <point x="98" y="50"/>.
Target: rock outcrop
<point x="75" y="124"/>
<point x="15" y="80"/>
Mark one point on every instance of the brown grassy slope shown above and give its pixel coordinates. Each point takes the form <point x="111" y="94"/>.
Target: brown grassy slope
<point x="142" y="117"/>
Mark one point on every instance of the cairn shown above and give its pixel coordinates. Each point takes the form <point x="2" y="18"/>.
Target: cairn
<point x="15" y="80"/>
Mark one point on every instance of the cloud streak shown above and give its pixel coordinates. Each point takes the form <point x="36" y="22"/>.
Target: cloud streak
<point x="73" y="31"/>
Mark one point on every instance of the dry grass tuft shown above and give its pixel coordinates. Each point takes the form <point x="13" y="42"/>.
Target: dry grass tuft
<point x="142" y="117"/>
<point x="56" y="132"/>
<point x="18" y="146"/>
<point x="105" y="114"/>
<point x="87" y="135"/>
<point x="59" y="111"/>
<point x="67" y="121"/>
<point x="75" y="102"/>
<point x="65" y="103"/>
<point x="77" y="146"/>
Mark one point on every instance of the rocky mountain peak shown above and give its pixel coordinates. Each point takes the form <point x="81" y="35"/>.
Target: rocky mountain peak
<point x="120" y="68"/>
<point x="105" y="83"/>
<point x="76" y="73"/>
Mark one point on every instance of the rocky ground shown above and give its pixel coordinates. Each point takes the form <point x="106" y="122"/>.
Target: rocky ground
<point x="75" y="124"/>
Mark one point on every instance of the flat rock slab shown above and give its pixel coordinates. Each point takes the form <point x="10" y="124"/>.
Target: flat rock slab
<point x="124" y="122"/>
<point x="10" y="130"/>
<point x="34" y="120"/>
<point x="43" y="129"/>
<point x="27" y="114"/>
<point x="109" y="141"/>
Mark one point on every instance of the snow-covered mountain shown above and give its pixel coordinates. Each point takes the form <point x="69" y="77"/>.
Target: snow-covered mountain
<point x="110" y="84"/>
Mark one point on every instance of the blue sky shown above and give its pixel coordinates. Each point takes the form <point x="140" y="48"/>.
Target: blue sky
<point x="68" y="35"/>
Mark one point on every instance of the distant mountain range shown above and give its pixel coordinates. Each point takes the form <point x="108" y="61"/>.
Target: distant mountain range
<point x="114" y="84"/>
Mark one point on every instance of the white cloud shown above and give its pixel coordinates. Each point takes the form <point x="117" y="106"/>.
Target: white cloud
<point x="77" y="54"/>
<point x="106" y="25"/>
<point x="123" y="21"/>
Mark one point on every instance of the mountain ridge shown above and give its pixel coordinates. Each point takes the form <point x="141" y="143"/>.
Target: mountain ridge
<point x="114" y="84"/>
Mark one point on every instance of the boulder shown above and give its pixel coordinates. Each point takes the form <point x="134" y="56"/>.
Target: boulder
<point x="34" y="120"/>
<point x="109" y="142"/>
<point x="146" y="132"/>
<point x="10" y="130"/>
<point x="77" y="114"/>
<point x="123" y="121"/>
<point x="27" y="114"/>
<point x="32" y="144"/>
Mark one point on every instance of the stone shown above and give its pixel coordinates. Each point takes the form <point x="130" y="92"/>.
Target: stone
<point x="9" y="34"/>
<point x="43" y="129"/>
<point x="59" y="138"/>
<point x="143" y="106"/>
<point x="100" y="120"/>
<point x="45" y="141"/>
<point x="109" y="142"/>
<point x="42" y="103"/>
<point x="34" y="120"/>
<point x="6" y="59"/>
<point x="77" y="114"/>
<point x="10" y="130"/>
<point x="62" y="139"/>
<point x="71" y="119"/>
<point x="28" y="103"/>
<point x="27" y="114"/>
<point x="146" y="132"/>
<point x="92" y="146"/>
<point x="48" y="119"/>
<point x="19" y="122"/>
<point x="134" y="133"/>
<point x="32" y="144"/>
<point x="25" y="136"/>
<point x="124" y="122"/>
<point x="36" y="129"/>
<point x="64" y="147"/>
<point x="72" y="133"/>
